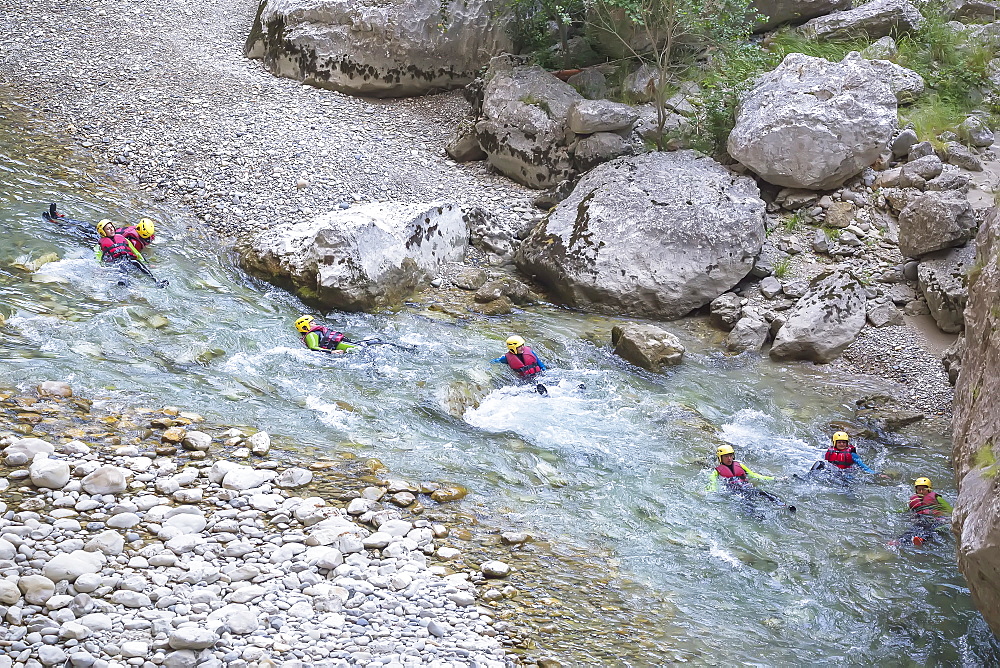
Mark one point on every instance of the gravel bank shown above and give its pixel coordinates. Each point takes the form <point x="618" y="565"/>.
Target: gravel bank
<point x="162" y="92"/>
<point x="166" y="550"/>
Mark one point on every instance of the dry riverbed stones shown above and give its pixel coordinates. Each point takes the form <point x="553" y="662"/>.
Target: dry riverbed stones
<point x="113" y="556"/>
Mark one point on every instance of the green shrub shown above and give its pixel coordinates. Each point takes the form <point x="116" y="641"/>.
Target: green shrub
<point x="782" y="267"/>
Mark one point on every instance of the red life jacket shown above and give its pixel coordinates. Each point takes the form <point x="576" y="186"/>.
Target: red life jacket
<point x="132" y="235"/>
<point x="843" y="459"/>
<point x="328" y="339"/>
<point x="926" y="504"/>
<point x="525" y="364"/>
<point x="115" y="248"/>
<point x="734" y="471"/>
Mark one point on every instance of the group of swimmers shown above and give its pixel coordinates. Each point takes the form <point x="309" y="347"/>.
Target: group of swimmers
<point x="929" y="510"/>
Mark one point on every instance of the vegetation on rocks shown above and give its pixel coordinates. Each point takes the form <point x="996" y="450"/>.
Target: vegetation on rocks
<point x="687" y="40"/>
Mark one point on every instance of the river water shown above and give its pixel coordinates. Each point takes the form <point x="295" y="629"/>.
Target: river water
<point x="616" y="470"/>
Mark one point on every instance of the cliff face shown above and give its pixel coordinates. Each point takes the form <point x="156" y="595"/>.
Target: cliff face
<point x="975" y="429"/>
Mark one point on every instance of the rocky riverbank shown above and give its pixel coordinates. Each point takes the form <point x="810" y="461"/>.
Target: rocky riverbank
<point x="161" y="548"/>
<point x="163" y="96"/>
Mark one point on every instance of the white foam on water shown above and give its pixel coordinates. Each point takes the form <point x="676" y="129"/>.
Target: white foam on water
<point x="329" y="414"/>
<point x="716" y="551"/>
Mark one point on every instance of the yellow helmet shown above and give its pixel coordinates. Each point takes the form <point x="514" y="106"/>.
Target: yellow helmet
<point x="922" y="482"/>
<point x="841" y="436"/>
<point x="304" y="324"/>
<point x="514" y="342"/>
<point x="146" y="228"/>
<point x="101" y="227"/>
<point x="724" y="450"/>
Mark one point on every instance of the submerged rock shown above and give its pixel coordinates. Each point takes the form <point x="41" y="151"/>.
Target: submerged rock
<point x="647" y="346"/>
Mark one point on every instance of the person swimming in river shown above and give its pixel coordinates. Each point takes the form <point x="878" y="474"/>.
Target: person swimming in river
<point x="114" y="249"/>
<point x="521" y="360"/>
<point x="842" y="456"/>
<point x="321" y="338"/>
<point x="930" y="515"/>
<point x="737" y="477"/>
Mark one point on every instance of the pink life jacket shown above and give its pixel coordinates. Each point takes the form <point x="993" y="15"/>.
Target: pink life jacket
<point x="734" y="471"/>
<point x="926" y="504"/>
<point x="328" y="339"/>
<point x="115" y="248"/>
<point x="843" y="459"/>
<point x="525" y="364"/>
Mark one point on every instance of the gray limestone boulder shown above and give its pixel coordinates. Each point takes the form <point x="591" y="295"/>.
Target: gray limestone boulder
<point x="975" y="132"/>
<point x="640" y="86"/>
<point x="905" y="84"/>
<point x="884" y="48"/>
<point x="951" y="359"/>
<point x="950" y="178"/>
<point x="882" y="313"/>
<point x="959" y="155"/>
<point x="464" y="145"/>
<point x="599" y="147"/>
<point x="824" y="321"/>
<point x="376" y="48"/>
<point x="524" y="126"/>
<point x="591" y="83"/>
<point x="942" y="278"/>
<point x="646" y="346"/>
<point x="750" y="333"/>
<point x="726" y="310"/>
<point x="934" y="221"/>
<point x="775" y="12"/>
<point x="871" y="20"/>
<point x="814" y="124"/>
<point x="973" y="10"/>
<point x="364" y="257"/>
<point x="655" y="235"/>
<point x="589" y="116"/>
<point x="903" y="142"/>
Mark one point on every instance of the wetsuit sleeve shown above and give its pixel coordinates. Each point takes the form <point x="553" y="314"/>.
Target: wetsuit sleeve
<point x="499" y="360"/>
<point x="860" y="464"/>
<point x="713" y="481"/>
<point x="945" y="506"/>
<point x="138" y="255"/>
<point x="541" y="364"/>
<point x="755" y="476"/>
<point x="312" y="341"/>
<point x="98" y="254"/>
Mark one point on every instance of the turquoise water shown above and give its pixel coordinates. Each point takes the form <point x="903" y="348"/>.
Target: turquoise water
<point x="618" y="467"/>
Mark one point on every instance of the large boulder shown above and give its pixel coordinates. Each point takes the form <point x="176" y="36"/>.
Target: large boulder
<point x="772" y="13"/>
<point x="824" y="321"/>
<point x="942" y="278"/>
<point x="654" y="235"/>
<point x="380" y="49"/>
<point x="647" y="346"/>
<point x="814" y="124"/>
<point x="524" y="127"/>
<point x="870" y="20"/>
<point x="934" y="221"/>
<point x="975" y="426"/>
<point x="364" y="257"/>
